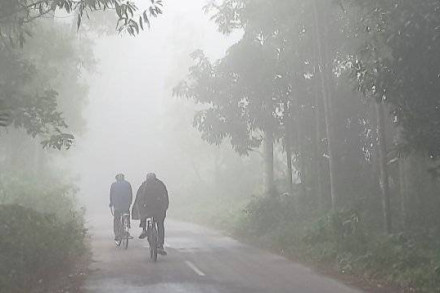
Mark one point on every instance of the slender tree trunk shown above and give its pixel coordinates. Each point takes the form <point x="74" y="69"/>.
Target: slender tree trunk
<point x="268" y="160"/>
<point x="403" y="188"/>
<point x="317" y="153"/>
<point x="384" y="183"/>
<point x="317" y="150"/>
<point x="302" y="171"/>
<point x="289" y="166"/>
<point x="375" y="170"/>
<point x="325" y="78"/>
<point x="217" y="168"/>
<point x="288" y="146"/>
<point x="37" y="165"/>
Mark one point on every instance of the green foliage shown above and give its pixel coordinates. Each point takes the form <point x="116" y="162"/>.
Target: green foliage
<point x="44" y="193"/>
<point x="398" y="62"/>
<point x="226" y="111"/>
<point x="340" y="240"/>
<point x="35" y="247"/>
<point x="299" y="60"/>
<point x="42" y="228"/>
<point x="40" y="85"/>
<point x="32" y="109"/>
<point x="17" y="17"/>
<point x="275" y="220"/>
<point x="267" y="214"/>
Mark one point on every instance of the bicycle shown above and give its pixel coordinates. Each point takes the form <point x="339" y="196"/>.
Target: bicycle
<point x="153" y="238"/>
<point x="124" y="230"/>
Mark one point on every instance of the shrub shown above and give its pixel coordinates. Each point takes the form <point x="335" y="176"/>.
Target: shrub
<point x="34" y="246"/>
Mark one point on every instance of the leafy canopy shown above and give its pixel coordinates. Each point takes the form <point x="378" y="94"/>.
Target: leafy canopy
<point x="17" y="16"/>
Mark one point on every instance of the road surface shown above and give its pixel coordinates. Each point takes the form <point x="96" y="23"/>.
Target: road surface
<point x="199" y="260"/>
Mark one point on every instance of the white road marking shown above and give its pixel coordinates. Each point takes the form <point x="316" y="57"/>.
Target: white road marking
<point x="195" y="269"/>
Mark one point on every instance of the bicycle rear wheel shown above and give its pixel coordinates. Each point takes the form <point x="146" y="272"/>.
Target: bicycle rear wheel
<point x="125" y="233"/>
<point x="119" y="237"/>
<point x="153" y="244"/>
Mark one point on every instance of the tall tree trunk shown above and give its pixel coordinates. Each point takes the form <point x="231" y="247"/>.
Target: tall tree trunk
<point x="384" y="183"/>
<point x="268" y="160"/>
<point x="288" y="147"/>
<point x="317" y="138"/>
<point x="325" y="78"/>
<point x="289" y="166"/>
<point x="301" y="161"/>
<point x="217" y="168"/>
<point x="318" y="155"/>
<point x="403" y="190"/>
<point x="375" y="170"/>
<point x="37" y="164"/>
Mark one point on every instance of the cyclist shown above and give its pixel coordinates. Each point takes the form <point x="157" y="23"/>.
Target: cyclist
<point x="121" y="197"/>
<point x="152" y="201"/>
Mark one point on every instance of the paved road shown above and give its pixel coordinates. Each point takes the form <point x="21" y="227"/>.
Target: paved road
<point x="199" y="260"/>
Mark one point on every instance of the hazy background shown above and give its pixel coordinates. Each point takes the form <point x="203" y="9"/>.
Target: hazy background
<point x="132" y="118"/>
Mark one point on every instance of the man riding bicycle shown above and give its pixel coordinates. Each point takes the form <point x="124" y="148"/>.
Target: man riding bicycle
<point x="152" y="202"/>
<point x="121" y="197"/>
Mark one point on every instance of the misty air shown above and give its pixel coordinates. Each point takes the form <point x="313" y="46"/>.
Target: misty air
<point x="219" y="146"/>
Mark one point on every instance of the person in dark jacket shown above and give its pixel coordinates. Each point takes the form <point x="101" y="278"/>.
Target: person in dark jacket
<point x="121" y="197"/>
<point x="152" y="202"/>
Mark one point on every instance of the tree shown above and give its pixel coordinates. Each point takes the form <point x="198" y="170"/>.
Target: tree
<point x="383" y="168"/>
<point x="29" y="104"/>
<point x="27" y="98"/>
<point x="236" y="101"/>
<point x="17" y="16"/>
<point x="398" y="62"/>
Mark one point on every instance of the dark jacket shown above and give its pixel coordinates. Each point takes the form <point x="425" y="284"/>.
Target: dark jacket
<point x="121" y="195"/>
<point x="151" y="200"/>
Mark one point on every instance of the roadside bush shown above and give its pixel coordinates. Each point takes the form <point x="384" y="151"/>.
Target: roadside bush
<point x="340" y="240"/>
<point x="402" y="259"/>
<point x="45" y="193"/>
<point x="35" y="247"/>
<point x="266" y="215"/>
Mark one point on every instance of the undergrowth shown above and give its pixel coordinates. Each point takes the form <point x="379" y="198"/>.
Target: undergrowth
<point x="341" y="240"/>
<point x="35" y="247"/>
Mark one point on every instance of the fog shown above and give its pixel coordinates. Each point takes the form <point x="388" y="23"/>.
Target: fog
<point x="294" y="144"/>
<point x="131" y="110"/>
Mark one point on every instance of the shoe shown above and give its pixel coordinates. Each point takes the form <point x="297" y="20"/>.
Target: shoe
<point x="161" y="251"/>
<point x="143" y="235"/>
